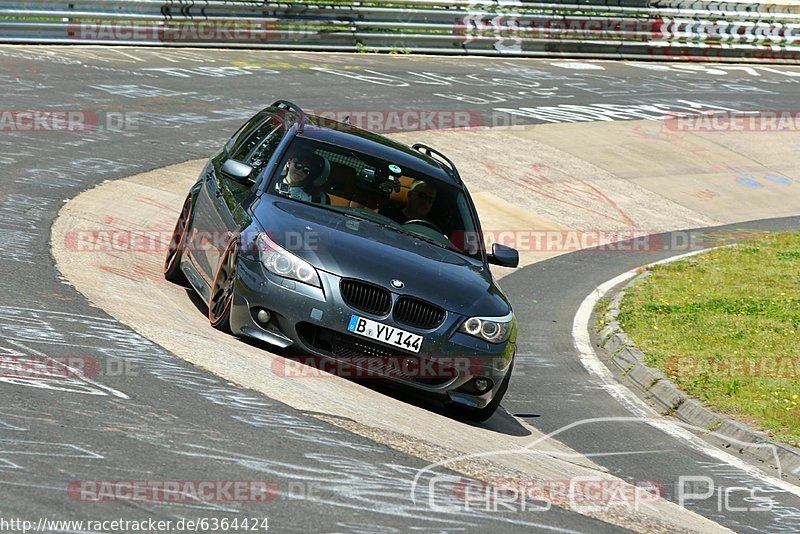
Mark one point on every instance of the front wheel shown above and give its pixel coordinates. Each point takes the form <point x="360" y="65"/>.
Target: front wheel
<point x="172" y="263"/>
<point x="221" y="300"/>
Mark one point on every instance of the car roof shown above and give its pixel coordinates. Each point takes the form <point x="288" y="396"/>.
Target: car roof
<point x="351" y="137"/>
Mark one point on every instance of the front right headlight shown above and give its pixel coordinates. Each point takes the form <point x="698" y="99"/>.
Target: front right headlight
<point x="280" y="261"/>
<point x="491" y="329"/>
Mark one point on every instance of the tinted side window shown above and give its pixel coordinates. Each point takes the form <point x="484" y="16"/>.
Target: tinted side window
<point x="255" y="137"/>
<point x="267" y="136"/>
<point x="236" y="138"/>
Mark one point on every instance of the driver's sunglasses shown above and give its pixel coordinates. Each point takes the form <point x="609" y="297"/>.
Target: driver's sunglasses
<point x="429" y="198"/>
<point x="300" y="166"/>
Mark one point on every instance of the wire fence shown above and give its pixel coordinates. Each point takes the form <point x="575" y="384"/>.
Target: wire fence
<point x="611" y="29"/>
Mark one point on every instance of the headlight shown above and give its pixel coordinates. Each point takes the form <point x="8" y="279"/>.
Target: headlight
<point x="491" y="329"/>
<point x="283" y="263"/>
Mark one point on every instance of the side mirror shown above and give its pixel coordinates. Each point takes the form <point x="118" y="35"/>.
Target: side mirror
<point x="504" y="256"/>
<point x="237" y="171"/>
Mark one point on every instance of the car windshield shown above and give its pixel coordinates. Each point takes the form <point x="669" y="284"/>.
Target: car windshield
<point x="382" y="192"/>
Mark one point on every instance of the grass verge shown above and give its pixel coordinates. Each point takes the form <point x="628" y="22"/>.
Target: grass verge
<point x="725" y="327"/>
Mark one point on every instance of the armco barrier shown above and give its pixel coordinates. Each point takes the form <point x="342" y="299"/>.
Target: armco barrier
<point x="626" y="29"/>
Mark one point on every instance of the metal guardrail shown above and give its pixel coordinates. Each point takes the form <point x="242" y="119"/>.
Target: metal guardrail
<point x="629" y="29"/>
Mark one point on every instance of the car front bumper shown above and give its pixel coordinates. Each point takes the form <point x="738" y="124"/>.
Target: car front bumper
<point x="307" y="320"/>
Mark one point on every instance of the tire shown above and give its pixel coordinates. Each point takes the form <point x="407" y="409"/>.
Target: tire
<point x="482" y="414"/>
<point x="221" y="296"/>
<point x="172" y="262"/>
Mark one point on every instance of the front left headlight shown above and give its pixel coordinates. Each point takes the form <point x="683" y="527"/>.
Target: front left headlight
<point x="491" y="329"/>
<point x="280" y="261"/>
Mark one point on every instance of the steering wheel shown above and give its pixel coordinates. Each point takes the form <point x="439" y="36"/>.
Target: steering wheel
<point x="423" y="222"/>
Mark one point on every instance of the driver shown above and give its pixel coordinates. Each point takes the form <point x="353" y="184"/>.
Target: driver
<point x="303" y="176"/>
<point x="421" y="197"/>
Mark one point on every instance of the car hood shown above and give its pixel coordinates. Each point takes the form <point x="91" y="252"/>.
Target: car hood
<point x="352" y="248"/>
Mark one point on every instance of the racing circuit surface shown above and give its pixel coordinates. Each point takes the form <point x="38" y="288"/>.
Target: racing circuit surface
<point x="341" y="456"/>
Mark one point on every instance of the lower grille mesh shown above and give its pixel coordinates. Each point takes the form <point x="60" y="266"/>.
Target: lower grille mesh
<point x="374" y="358"/>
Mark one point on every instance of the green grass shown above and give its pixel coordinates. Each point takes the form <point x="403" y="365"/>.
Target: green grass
<point x="725" y="326"/>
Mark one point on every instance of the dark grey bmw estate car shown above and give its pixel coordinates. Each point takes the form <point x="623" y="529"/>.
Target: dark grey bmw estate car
<point x="323" y="238"/>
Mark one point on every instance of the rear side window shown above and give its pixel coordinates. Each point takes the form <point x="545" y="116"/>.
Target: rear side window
<point x="235" y="137"/>
<point x="262" y="145"/>
<point x="241" y="132"/>
<point x="252" y="139"/>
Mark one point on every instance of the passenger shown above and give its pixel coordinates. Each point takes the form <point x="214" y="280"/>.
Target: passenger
<point x="421" y="197"/>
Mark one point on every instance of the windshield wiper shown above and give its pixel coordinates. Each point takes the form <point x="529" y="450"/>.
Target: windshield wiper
<point x="415" y="235"/>
<point x="401" y="230"/>
<point x="349" y="215"/>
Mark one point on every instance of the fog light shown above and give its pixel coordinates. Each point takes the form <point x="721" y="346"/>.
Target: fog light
<point x="482" y="384"/>
<point x="263" y="316"/>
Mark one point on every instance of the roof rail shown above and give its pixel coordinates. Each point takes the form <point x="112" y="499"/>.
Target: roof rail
<point x="289" y="106"/>
<point x="430" y="152"/>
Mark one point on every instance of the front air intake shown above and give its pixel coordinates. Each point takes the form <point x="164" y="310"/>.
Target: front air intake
<point x="418" y="313"/>
<point x="366" y="297"/>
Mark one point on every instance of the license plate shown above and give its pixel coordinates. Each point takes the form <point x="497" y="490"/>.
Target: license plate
<point x="390" y="335"/>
